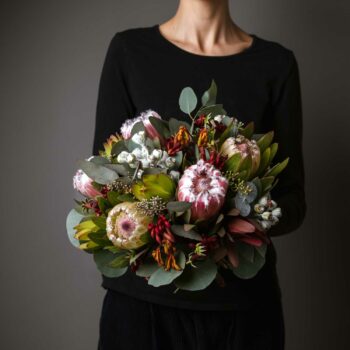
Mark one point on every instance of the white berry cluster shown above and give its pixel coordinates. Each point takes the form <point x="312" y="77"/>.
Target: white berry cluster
<point x="141" y="154"/>
<point x="267" y="212"/>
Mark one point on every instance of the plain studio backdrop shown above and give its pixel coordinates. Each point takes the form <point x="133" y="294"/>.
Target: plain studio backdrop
<point x="51" y="59"/>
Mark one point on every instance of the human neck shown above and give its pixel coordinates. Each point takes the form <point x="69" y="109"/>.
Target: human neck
<point x="203" y="25"/>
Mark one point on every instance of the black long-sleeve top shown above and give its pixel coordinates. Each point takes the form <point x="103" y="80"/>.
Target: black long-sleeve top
<point x="143" y="70"/>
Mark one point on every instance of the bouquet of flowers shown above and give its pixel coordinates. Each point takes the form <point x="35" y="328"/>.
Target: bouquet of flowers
<point x="174" y="201"/>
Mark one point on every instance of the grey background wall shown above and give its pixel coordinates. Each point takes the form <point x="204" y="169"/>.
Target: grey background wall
<point x="51" y="58"/>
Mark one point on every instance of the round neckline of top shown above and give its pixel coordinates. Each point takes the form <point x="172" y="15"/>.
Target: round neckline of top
<point x="205" y="57"/>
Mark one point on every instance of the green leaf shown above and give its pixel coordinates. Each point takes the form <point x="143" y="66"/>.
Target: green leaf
<point x="146" y="237"/>
<point x="232" y="164"/>
<point x="226" y="133"/>
<point x="118" y="148"/>
<point x="246" y="250"/>
<point x="113" y="198"/>
<point x="102" y="258"/>
<point x="274" y="148"/>
<point x="181" y="231"/>
<point x="73" y="219"/>
<point x="213" y="110"/>
<point x="103" y="203"/>
<point x="197" y="278"/>
<point x="274" y="171"/>
<point x="147" y="268"/>
<point x="209" y="96"/>
<point x="265" y="141"/>
<point x="178" y="206"/>
<point x="262" y="249"/>
<point x="121" y="260"/>
<point x="121" y="169"/>
<point x="127" y="197"/>
<point x="137" y="128"/>
<point x="98" y="173"/>
<point x="161" y="126"/>
<point x="248" y="130"/>
<point x="257" y="182"/>
<point x="187" y="100"/>
<point x="100" y="238"/>
<point x="161" y="277"/>
<point x="99" y="221"/>
<point x="175" y="124"/>
<point x="264" y="160"/>
<point x="247" y="269"/>
<point x="99" y="160"/>
<point x="266" y="182"/>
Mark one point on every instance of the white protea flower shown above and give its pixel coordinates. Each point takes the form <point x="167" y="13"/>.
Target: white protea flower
<point x="204" y="186"/>
<point x="144" y="118"/>
<point x="127" y="126"/>
<point x="125" y="225"/>
<point x="244" y="147"/>
<point x="83" y="184"/>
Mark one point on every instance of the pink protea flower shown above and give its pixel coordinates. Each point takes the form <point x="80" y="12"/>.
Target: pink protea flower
<point x="204" y="186"/>
<point x="245" y="147"/>
<point x="83" y="184"/>
<point x="126" y="128"/>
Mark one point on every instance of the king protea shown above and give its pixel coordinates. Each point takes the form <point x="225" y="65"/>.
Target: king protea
<point x="125" y="225"/>
<point x="204" y="186"/>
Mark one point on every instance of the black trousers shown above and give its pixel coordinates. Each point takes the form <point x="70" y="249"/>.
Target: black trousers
<point x="127" y="323"/>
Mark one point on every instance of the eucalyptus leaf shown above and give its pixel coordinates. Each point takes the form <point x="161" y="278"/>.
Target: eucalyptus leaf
<point x="98" y="173"/>
<point x="161" y="126"/>
<point x="102" y="258"/>
<point x="161" y="277"/>
<point x="175" y="124"/>
<point x="99" y="160"/>
<point x="118" y="147"/>
<point x="247" y="269"/>
<point x="197" y="278"/>
<point x="180" y="230"/>
<point x="73" y="219"/>
<point x="137" y="128"/>
<point x="147" y="267"/>
<point x="187" y="100"/>
<point x="209" y="96"/>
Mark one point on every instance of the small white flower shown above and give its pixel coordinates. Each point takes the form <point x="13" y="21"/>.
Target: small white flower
<point x="219" y="118"/>
<point x="130" y="158"/>
<point x="157" y="154"/>
<point x="263" y="201"/>
<point x="277" y="212"/>
<point x="259" y="208"/>
<point x="170" y="162"/>
<point x="122" y="156"/>
<point x="266" y="215"/>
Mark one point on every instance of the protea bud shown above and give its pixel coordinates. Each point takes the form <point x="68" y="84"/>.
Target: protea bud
<point x="83" y="184"/>
<point x="125" y="225"/>
<point x="144" y="118"/>
<point x="244" y="147"/>
<point x="150" y="129"/>
<point x="203" y="186"/>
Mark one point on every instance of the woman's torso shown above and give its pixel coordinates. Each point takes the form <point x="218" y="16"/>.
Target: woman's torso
<point x="154" y="73"/>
